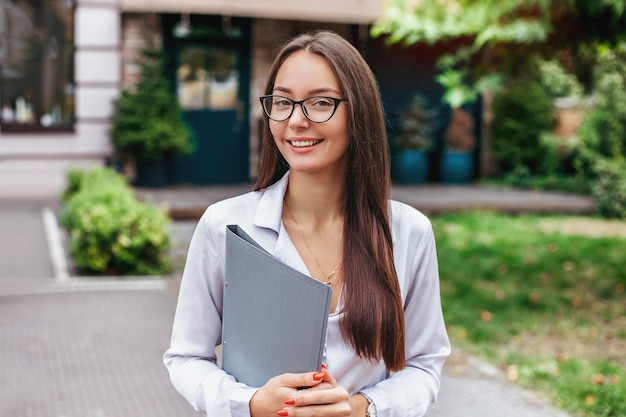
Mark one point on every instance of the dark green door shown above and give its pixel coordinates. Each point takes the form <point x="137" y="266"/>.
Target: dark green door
<point x="210" y="69"/>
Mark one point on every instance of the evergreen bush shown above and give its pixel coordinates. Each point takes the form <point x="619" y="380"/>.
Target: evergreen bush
<point x="147" y="121"/>
<point x="416" y="125"/>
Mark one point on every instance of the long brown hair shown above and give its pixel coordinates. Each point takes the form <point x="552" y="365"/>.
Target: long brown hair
<point x="373" y="321"/>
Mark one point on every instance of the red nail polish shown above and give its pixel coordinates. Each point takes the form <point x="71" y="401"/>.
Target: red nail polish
<point x="290" y="401"/>
<point x="318" y="376"/>
<point x="283" y="413"/>
<point x="324" y="366"/>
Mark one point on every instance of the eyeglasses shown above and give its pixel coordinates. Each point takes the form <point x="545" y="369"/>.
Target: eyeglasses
<point x="317" y="109"/>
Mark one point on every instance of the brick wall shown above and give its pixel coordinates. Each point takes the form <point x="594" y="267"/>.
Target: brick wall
<point x="138" y="30"/>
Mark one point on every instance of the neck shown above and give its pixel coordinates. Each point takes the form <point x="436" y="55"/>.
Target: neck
<point x="315" y="200"/>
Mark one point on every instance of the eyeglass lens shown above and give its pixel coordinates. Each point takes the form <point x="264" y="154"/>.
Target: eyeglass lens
<point x="316" y="109"/>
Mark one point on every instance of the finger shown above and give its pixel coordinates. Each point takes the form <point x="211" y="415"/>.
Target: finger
<point x="315" y="396"/>
<point x="319" y="387"/>
<point x="298" y="381"/>
<point x="336" y="410"/>
<point x="328" y="377"/>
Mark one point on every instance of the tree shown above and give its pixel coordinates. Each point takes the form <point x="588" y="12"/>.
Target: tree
<point x="492" y="40"/>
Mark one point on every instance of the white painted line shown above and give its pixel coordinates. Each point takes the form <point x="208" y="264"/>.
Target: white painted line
<point x="91" y="284"/>
<point x="55" y="246"/>
<point x="113" y="284"/>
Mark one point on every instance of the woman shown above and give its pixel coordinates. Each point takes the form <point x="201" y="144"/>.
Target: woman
<point x="322" y="206"/>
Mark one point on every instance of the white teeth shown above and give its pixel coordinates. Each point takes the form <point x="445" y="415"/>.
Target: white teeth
<point x="304" y="143"/>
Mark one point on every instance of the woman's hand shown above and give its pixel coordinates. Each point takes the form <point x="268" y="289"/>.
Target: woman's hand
<point x="271" y="397"/>
<point x="327" y="398"/>
<point x="284" y="396"/>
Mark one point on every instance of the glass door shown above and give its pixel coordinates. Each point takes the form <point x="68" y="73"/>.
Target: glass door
<point x="210" y="69"/>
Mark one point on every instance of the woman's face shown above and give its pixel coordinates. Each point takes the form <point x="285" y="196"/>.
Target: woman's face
<point x="307" y="146"/>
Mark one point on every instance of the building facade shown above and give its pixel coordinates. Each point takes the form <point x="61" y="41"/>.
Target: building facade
<point x="56" y="106"/>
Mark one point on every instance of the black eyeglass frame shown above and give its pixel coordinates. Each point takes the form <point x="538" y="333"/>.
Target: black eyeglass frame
<point x="301" y="102"/>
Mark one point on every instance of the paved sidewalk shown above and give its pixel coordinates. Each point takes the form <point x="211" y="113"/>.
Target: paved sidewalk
<point x="83" y="348"/>
<point x="190" y="202"/>
<point x="92" y="348"/>
<point x="471" y="388"/>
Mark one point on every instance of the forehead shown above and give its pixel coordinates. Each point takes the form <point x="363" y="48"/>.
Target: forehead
<point x="304" y="72"/>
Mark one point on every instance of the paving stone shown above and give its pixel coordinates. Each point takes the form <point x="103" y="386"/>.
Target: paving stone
<point x="87" y="354"/>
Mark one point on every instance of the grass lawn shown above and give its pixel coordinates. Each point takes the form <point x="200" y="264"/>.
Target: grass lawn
<point x="544" y="299"/>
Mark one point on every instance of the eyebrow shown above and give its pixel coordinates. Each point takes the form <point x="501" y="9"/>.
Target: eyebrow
<point x="314" y="91"/>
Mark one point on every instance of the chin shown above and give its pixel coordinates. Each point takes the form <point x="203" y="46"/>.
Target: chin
<point x="305" y="169"/>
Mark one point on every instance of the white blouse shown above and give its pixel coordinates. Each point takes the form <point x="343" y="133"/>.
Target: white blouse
<point x="191" y="358"/>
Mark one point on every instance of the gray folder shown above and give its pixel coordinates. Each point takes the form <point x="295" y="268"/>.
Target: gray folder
<point x="275" y="317"/>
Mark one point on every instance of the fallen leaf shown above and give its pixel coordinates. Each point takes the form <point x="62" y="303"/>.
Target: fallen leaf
<point x="534" y="298"/>
<point x="577" y="302"/>
<point x="590" y="273"/>
<point x="590" y="399"/>
<point x="597" y="379"/>
<point x="486" y="316"/>
<point x="461" y="334"/>
<point x="512" y="373"/>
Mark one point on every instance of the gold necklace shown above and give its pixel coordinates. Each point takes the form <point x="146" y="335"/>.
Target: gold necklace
<point x="327" y="277"/>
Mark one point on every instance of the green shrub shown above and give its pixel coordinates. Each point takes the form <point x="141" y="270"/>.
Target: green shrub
<point x="110" y="231"/>
<point x="557" y="81"/>
<point x="603" y="133"/>
<point x="600" y="137"/>
<point x="79" y="179"/>
<point x="521" y="177"/>
<point x="521" y="113"/>
<point x="560" y="154"/>
<point x="556" y="171"/>
<point x="609" y="189"/>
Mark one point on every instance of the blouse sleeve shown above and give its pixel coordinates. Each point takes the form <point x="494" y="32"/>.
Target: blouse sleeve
<point x="191" y="359"/>
<point x="412" y="390"/>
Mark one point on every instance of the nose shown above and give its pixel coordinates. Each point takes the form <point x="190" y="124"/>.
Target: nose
<point x="298" y="118"/>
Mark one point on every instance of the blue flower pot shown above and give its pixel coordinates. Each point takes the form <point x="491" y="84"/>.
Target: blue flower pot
<point x="457" y="167"/>
<point x="409" y="167"/>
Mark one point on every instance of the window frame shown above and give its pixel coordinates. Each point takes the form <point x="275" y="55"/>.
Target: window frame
<point x="35" y="125"/>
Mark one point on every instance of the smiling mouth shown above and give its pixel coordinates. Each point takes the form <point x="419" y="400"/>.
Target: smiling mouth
<point x="304" y="143"/>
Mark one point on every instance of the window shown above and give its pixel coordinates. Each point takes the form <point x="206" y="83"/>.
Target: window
<point x="36" y="65"/>
<point x="207" y="78"/>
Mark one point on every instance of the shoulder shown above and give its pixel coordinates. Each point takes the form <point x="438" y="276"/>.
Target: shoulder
<point x="414" y="246"/>
<point x="256" y="212"/>
<point x="235" y="206"/>
<point x="240" y="209"/>
<point x="408" y="219"/>
<point x="411" y="229"/>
